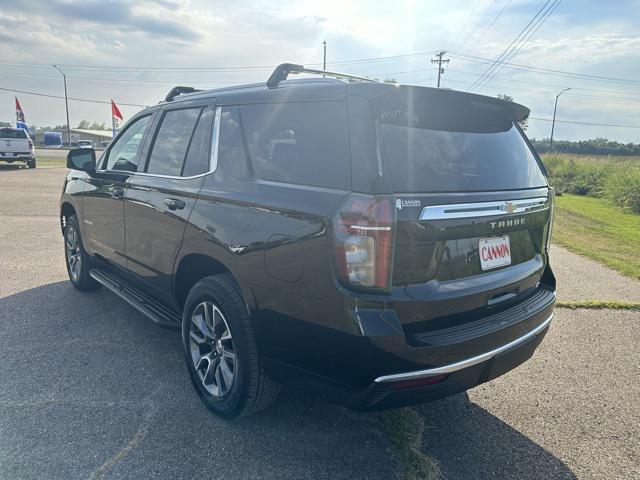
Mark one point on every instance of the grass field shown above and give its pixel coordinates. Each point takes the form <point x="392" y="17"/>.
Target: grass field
<point x="596" y="228"/>
<point x="44" y="161"/>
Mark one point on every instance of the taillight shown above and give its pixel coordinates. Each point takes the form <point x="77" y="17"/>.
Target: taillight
<point x="552" y="205"/>
<point x="30" y="144"/>
<point x="363" y="229"/>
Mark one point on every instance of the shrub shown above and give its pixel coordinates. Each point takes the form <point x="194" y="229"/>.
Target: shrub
<point x="568" y="175"/>
<point x="623" y="187"/>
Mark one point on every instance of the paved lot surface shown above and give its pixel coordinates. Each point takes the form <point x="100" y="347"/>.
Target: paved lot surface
<point x="580" y="278"/>
<point x="90" y="389"/>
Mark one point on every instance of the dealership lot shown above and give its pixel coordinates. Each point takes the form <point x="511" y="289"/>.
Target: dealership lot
<point x="90" y="389"/>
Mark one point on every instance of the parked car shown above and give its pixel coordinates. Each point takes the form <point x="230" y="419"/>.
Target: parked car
<point x="16" y="146"/>
<point x="85" y="144"/>
<point x="104" y="144"/>
<point x="376" y="244"/>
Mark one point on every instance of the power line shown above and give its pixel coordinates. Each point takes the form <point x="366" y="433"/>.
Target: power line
<point x="545" y="70"/>
<point x="70" y="98"/>
<point x="478" y="23"/>
<point x="466" y="22"/>
<point x="490" y="26"/>
<point x="585" y="123"/>
<point x="505" y="52"/>
<point x="519" y="47"/>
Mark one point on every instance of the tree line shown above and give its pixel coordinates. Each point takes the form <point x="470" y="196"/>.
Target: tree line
<point x="594" y="146"/>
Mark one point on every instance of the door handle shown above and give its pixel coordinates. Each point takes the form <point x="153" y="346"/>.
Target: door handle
<point x="174" y="204"/>
<point x="116" y="192"/>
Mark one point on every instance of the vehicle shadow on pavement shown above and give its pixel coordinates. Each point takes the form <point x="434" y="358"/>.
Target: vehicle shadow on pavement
<point x="11" y="166"/>
<point x="89" y="388"/>
<point x="468" y="442"/>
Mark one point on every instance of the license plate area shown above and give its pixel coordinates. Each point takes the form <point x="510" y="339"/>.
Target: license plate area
<point x="494" y="252"/>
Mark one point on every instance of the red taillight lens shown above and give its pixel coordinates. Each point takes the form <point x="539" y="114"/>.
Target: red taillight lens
<point x="363" y="230"/>
<point x="421" y="382"/>
<point x="552" y="205"/>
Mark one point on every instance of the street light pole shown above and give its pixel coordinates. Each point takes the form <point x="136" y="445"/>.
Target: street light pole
<point x="66" y="103"/>
<point x="324" y="55"/>
<point x="553" y="122"/>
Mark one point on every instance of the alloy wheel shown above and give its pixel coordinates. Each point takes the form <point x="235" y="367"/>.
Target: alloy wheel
<point x="212" y="350"/>
<point x="74" y="258"/>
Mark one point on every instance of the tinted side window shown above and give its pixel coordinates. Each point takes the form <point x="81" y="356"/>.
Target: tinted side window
<point x="199" y="153"/>
<point x="172" y="140"/>
<point x="232" y="157"/>
<point x="123" y="154"/>
<point x="302" y="143"/>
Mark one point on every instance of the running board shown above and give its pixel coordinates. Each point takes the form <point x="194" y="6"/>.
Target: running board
<point x="158" y="313"/>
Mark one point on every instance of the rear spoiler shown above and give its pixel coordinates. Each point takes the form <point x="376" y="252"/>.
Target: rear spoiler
<point x="511" y="110"/>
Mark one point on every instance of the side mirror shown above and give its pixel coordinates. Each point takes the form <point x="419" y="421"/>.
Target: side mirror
<point x="82" y="159"/>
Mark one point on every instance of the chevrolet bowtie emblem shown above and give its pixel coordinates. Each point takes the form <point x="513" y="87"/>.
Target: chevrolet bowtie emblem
<point x="509" y="207"/>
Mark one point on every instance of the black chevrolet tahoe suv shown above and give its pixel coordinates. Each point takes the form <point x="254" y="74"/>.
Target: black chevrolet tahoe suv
<point x="377" y="244"/>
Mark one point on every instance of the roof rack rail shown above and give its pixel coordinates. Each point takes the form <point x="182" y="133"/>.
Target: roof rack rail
<point x="283" y="70"/>
<point x="175" y="91"/>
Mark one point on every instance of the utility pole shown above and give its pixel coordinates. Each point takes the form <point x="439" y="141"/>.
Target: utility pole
<point x="324" y="55"/>
<point x="553" y="122"/>
<point x="439" y="60"/>
<point x="66" y="103"/>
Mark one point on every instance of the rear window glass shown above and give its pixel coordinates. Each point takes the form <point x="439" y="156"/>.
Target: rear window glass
<point x="444" y="145"/>
<point x="301" y="143"/>
<point x="12" y="133"/>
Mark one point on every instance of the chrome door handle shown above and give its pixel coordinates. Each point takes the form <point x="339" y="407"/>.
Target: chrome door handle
<point x="174" y="204"/>
<point x="116" y="192"/>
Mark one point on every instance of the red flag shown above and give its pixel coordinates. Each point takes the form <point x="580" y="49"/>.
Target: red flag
<point x="115" y="112"/>
<point x="20" y="123"/>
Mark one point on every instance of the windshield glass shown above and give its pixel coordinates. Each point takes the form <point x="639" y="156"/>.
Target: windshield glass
<point x="444" y="145"/>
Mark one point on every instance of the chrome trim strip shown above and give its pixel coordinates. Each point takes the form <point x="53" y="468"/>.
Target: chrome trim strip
<point x="469" y="362"/>
<point x="370" y="229"/>
<point x="483" y="209"/>
<point x="213" y="159"/>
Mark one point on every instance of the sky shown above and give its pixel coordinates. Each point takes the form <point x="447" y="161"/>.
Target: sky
<point x="134" y="52"/>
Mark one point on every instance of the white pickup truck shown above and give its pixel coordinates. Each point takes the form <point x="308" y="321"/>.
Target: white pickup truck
<point x="16" y="146"/>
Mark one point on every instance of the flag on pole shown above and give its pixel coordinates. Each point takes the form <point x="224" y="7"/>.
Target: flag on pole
<point x="116" y="117"/>
<point x="20" y="123"/>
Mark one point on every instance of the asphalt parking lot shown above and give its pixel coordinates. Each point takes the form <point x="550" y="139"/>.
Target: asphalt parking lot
<point x="90" y="389"/>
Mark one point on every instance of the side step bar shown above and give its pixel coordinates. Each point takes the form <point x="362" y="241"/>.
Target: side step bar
<point x="158" y="313"/>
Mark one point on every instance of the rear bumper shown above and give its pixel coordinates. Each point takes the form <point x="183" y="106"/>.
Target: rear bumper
<point x="467" y="362"/>
<point x="20" y="156"/>
<point x="387" y="367"/>
<point x="407" y="388"/>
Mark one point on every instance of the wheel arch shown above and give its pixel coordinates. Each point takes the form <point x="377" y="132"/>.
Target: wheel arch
<point x="66" y="210"/>
<point x="192" y="268"/>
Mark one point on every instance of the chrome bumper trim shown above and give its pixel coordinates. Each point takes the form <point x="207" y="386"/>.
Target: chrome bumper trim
<point x="469" y="362"/>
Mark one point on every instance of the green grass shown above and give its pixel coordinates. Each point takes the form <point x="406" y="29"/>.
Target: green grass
<point x="596" y="228"/>
<point x="50" y="161"/>
<point x="599" y="305"/>
<point x="404" y="427"/>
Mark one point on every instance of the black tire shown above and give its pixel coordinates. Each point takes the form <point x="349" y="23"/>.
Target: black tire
<point x="79" y="277"/>
<point x="250" y="390"/>
<point x="31" y="163"/>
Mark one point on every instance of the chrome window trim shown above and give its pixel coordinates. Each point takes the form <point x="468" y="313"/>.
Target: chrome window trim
<point x="484" y="209"/>
<point x="469" y="362"/>
<point x="213" y="157"/>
